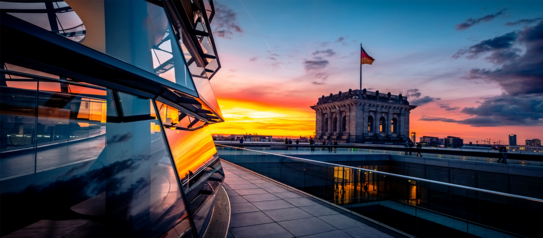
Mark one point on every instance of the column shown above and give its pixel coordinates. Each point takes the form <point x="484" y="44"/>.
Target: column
<point x="389" y="120"/>
<point x="376" y="119"/>
<point x="330" y="121"/>
<point x="338" y="123"/>
<point x="318" y="122"/>
<point x="365" y="114"/>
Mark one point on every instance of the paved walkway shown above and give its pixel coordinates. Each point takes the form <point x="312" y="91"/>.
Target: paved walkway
<point x="262" y="208"/>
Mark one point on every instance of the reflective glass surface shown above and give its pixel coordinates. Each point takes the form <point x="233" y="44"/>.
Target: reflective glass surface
<point x="75" y="165"/>
<point x="17" y="125"/>
<point x="54" y="16"/>
<point x="137" y="32"/>
<point x="206" y="94"/>
<point x="198" y="167"/>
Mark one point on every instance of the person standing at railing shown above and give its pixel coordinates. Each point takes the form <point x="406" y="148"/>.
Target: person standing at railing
<point x="312" y="144"/>
<point x="335" y="146"/>
<point x="419" y="148"/>
<point x="329" y="144"/>
<point x="503" y="154"/>
<point x="500" y="154"/>
<point x="286" y="143"/>
<point x="297" y="142"/>
<point x="241" y="142"/>
<point x="406" y="146"/>
<point x="410" y="147"/>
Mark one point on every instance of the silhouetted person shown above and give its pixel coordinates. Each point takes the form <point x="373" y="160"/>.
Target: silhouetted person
<point x="410" y="147"/>
<point x="329" y="144"/>
<point x="500" y="155"/>
<point x="503" y="155"/>
<point x="312" y="144"/>
<point x="419" y="147"/>
<point x="406" y="147"/>
<point x="366" y="188"/>
<point x="297" y="142"/>
<point x="241" y="142"/>
<point x="335" y="146"/>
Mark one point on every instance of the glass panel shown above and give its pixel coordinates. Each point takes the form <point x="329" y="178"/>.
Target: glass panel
<point x="172" y="117"/>
<point x="191" y="149"/>
<point x="74" y="120"/>
<point x="198" y="167"/>
<point x="54" y="16"/>
<point x="89" y="172"/>
<point x="17" y="125"/>
<point x="136" y="32"/>
<point x="139" y="33"/>
<point x="206" y="94"/>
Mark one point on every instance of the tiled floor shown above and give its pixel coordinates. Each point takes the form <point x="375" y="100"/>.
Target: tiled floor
<point x="261" y="208"/>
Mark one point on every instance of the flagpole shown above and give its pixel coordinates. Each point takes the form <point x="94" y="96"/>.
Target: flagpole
<point x="360" y="67"/>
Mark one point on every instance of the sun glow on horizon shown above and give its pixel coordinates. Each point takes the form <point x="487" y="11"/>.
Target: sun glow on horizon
<point x="266" y="119"/>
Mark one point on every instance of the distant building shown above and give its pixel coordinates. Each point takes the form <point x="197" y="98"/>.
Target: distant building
<point x="453" y="142"/>
<point x="429" y="141"/>
<point x="256" y="138"/>
<point x="533" y="142"/>
<point x="359" y="116"/>
<point x="512" y="140"/>
<point x="414" y="137"/>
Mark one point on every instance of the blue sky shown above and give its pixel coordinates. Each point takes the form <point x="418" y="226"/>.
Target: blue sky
<point x="412" y="42"/>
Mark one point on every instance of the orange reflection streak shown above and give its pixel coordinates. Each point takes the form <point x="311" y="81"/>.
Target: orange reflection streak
<point x="190" y="149"/>
<point x="266" y="119"/>
<point x="84" y="90"/>
<point x="22" y="85"/>
<point x="49" y="86"/>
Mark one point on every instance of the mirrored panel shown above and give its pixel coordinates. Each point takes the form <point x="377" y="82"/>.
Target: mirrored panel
<point x="136" y="32"/>
<point x="79" y="160"/>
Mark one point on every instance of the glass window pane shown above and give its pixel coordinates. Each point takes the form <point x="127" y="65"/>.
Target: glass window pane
<point x="55" y="16"/>
<point x="206" y="94"/>
<point x="139" y="33"/>
<point x="74" y="120"/>
<point x="17" y="125"/>
<point x="89" y="171"/>
<point x="173" y="117"/>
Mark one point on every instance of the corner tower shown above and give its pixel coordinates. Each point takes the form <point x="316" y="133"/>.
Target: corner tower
<point x="362" y="116"/>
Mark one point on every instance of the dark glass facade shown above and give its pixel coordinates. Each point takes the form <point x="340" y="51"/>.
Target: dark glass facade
<point x="103" y="123"/>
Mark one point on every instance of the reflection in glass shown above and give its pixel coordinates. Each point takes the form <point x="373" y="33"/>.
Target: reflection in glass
<point x="54" y="16"/>
<point x="94" y="176"/>
<point x="75" y="120"/>
<point x="191" y="149"/>
<point x="198" y="168"/>
<point x="177" y="119"/>
<point x="17" y="125"/>
<point x="206" y="94"/>
<point x="139" y="33"/>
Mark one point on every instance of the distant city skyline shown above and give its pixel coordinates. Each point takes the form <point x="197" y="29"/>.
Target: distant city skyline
<point x="452" y="59"/>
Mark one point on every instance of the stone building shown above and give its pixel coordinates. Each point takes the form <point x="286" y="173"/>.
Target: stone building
<point x="362" y="117"/>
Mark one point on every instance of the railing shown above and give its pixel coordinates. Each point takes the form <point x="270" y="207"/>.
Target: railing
<point x="421" y="207"/>
<point x="515" y="159"/>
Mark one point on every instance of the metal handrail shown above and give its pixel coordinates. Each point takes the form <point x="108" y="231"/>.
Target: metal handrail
<point x="396" y="175"/>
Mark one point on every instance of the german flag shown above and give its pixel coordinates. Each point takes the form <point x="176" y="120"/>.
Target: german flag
<point x="365" y="58"/>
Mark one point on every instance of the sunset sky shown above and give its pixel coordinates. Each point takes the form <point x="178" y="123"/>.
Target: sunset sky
<point x="474" y="68"/>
